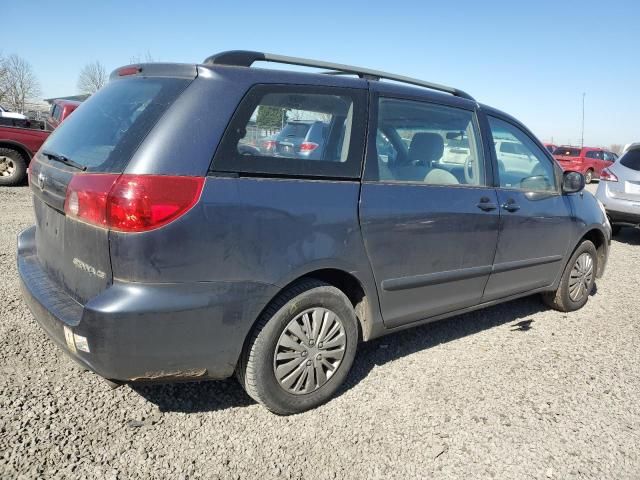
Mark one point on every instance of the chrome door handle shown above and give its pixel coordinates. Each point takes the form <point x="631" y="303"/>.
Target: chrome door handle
<point x="511" y="206"/>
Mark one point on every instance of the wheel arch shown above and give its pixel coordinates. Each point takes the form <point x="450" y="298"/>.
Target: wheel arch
<point x="24" y="151"/>
<point x="599" y="239"/>
<point x="363" y="298"/>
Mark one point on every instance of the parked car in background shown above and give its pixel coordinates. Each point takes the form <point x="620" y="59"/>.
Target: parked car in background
<point x="161" y="251"/>
<point x="302" y="138"/>
<point x="21" y="139"/>
<point x="18" y="144"/>
<point x="550" y="146"/>
<point x="516" y="155"/>
<point x="619" y="190"/>
<point x="586" y="160"/>
<point x="629" y="146"/>
<point x="4" y="113"/>
<point x="61" y="109"/>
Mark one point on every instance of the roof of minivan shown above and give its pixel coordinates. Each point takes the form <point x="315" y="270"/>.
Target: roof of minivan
<point x="257" y="75"/>
<point x="267" y="75"/>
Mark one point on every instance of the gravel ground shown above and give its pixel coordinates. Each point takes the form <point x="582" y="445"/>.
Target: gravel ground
<point x="513" y="391"/>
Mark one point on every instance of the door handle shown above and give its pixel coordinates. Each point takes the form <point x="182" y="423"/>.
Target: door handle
<point x="510" y="206"/>
<point x="486" y="204"/>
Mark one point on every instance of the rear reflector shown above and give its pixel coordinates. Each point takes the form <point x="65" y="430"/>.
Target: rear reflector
<point x="131" y="203"/>
<point x="608" y="176"/>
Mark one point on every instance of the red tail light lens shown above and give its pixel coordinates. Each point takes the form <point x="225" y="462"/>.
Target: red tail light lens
<point x="608" y="176"/>
<point x="269" y="145"/>
<point x="131" y="203"/>
<point x="123" y="72"/>
<point x="308" y="146"/>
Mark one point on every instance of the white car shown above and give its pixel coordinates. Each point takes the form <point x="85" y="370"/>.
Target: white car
<point x="619" y="189"/>
<point x="4" y="113"/>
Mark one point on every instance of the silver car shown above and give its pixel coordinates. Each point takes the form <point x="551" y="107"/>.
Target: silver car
<point x="619" y="190"/>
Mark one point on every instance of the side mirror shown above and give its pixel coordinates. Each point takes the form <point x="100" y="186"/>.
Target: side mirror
<point x="573" y="182"/>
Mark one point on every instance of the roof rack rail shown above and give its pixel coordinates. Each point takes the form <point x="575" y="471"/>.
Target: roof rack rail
<point x="246" y="58"/>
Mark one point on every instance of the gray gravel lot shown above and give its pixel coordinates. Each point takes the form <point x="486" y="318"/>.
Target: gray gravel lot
<point x="514" y="391"/>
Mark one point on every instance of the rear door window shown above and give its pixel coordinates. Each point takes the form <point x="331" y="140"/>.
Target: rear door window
<point x="104" y="133"/>
<point x="295" y="130"/>
<point x="424" y="143"/>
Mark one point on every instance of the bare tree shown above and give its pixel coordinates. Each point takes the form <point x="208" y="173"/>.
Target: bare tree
<point x="92" y="78"/>
<point x="18" y="83"/>
<point x="3" y="76"/>
<point x="148" y="58"/>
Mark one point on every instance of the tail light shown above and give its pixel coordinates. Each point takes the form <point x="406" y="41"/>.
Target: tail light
<point x="131" y="203"/>
<point x="132" y="70"/>
<point x="270" y="145"/>
<point x="308" y="146"/>
<point x="608" y="176"/>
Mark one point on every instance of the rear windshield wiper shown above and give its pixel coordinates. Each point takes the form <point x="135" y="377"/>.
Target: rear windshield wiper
<point x="62" y="159"/>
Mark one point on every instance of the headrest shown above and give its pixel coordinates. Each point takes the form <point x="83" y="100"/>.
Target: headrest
<point x="426" y="146"/>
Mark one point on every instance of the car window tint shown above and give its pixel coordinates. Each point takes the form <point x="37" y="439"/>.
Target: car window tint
<point x="631" y="160"/>
<point x="529" y="169"/>
<point x="426" y="143"/>
<point x="567" y="152"/>
<point x="306" y="126"/>
<point x="104" y="134"/>
<point x="295" y="130"/>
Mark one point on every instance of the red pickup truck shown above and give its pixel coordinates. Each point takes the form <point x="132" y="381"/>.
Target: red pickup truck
<point x="21" y="139"/>
<point x="587" y="160"/>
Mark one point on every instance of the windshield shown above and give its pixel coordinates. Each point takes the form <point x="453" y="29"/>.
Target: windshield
<point x="104" y="133"/>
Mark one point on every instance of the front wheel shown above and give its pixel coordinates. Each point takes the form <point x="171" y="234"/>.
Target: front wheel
<point x="577" y="281"/>
<point x="301" y="349"/>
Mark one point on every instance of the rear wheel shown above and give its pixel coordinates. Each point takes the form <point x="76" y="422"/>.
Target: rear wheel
<point x="577" y="280"/>
<point x="301" y="349"/>
<point x="588" y="177"/>
<point x="13" y="167"/>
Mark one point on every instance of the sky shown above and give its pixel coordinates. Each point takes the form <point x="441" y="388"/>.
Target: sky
<point x="533" y="60"/>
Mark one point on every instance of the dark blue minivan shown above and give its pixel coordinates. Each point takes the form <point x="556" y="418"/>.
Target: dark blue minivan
<point x="165" y="250"/>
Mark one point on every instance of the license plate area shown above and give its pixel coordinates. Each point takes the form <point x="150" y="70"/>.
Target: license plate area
<point x="632" y="188"/>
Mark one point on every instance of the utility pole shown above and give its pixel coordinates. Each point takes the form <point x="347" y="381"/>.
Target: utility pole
<point x="582" y="136"/>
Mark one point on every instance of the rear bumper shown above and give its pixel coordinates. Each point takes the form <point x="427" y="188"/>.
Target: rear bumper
<point x="619" y="210"/>
<point x="146" y="332"/>
<point x="624" y="218"/>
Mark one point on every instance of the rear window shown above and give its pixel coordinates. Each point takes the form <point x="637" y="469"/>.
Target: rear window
<point x="104" y="133"/>
<point x="294" y="130"/>
<point x="567" y="152"/>
<point x="631" y="160"/>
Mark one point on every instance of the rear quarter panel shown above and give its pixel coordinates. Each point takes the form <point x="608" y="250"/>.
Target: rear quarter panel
<point x="266" y="231"/>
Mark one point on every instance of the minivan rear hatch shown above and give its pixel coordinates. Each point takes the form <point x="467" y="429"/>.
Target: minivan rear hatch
<point x="99" y="138"/>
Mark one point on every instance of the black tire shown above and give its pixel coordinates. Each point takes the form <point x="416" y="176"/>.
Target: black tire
<point x="255" y="370"/>
<point x="615" y="229"/>
<point x="17" y="162"/>
<point x="588" y="177"/>
<point x="560" y="299"/>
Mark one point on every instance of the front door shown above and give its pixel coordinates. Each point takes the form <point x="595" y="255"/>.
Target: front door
<point x="535" y="226"/>
<point x="428" y="218"/>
